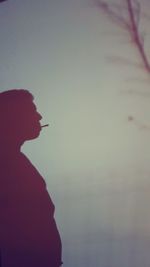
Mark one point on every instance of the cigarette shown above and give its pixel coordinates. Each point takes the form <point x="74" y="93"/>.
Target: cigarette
<point x="45" y="125"/>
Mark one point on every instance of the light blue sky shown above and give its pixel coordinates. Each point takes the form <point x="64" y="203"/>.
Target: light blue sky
<point x="95" y="161"/>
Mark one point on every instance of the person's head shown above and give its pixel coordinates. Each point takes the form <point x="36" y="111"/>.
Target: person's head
<point x="19" y="118"/>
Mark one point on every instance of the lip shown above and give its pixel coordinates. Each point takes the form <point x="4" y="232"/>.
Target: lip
<point x="42" y="126"/>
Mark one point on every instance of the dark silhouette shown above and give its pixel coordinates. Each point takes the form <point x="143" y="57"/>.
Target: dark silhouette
<point x="28" y="233"/>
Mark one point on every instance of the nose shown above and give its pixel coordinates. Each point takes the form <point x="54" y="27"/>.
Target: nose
<point x="39" y="116"/>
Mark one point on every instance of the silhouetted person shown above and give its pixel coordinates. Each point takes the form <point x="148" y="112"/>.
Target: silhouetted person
<point x="28" y="233"/>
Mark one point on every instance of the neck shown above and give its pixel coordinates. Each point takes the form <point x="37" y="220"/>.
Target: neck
<point x="10" y="146"/>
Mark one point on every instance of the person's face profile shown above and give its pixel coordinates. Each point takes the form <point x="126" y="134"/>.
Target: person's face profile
<point x="20" y="122"/>
<point x="30" y="121"/>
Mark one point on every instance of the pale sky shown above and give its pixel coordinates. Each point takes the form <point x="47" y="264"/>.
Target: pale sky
<point x="94" y="159"/>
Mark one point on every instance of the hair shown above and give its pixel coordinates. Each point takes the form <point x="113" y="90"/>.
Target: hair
<point x="15" y="95"/>
<point x="12" y="101"/>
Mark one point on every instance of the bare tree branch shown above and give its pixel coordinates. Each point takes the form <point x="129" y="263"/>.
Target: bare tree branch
<point x="138" y="40"/>
<point x="129" y="22"/>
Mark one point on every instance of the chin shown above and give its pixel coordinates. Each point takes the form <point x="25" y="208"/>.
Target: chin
<point x="33" y="135"/>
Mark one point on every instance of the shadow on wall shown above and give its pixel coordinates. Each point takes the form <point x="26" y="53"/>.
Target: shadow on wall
<point x="28" y="231"/>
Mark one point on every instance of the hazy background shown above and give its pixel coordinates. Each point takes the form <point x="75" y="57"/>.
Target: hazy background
<point x="95" y="155"/>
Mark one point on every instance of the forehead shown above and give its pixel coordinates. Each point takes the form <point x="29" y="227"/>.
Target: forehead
<point x="33" y="106"/>
<point x="29" y="105"/>
<point x="25" y="108"/>
<point x="19" y="110"/>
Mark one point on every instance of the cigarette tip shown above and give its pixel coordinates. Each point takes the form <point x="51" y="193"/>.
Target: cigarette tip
<point x="45" y="125"/>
